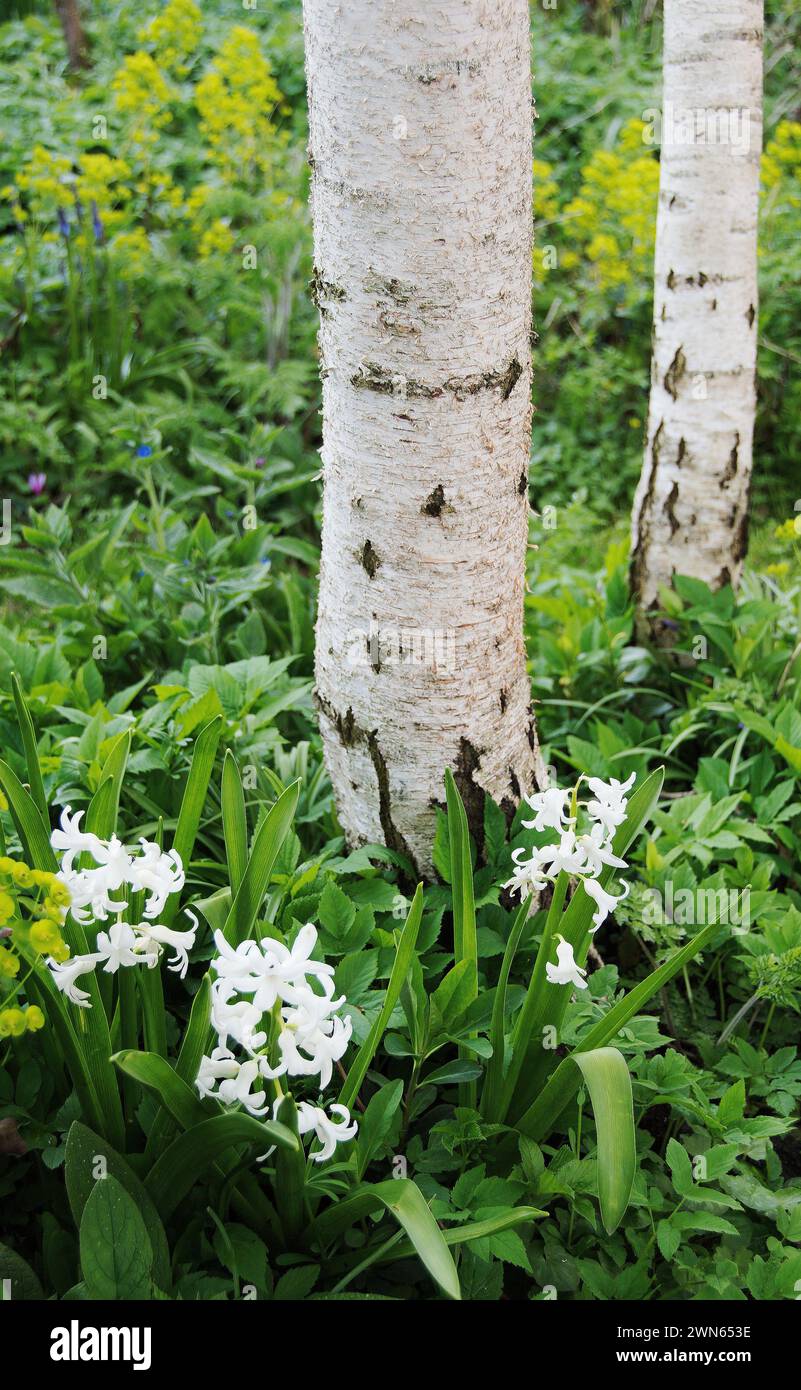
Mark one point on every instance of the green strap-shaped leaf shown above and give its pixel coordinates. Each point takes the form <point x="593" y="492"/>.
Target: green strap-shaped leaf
<point x="266" y="847"/>
<point x="609" y="1084"/>
<point x="179" y="1167"/>
<point x="400" y="969"/>
<point x="31" y="751"/>
<point x="235" y="821"/>
<point x="193" y="801"/>
<point x="186" y="1067"/>
<point x="473" y="1230"/>
<point x="156" y="1075"/>
<point x="464" y="912"/>
<point x="541" y="1116"/>
<point x="404" y="1200"/>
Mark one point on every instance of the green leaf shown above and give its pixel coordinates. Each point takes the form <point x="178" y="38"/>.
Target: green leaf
<point x="179" y="1167"/>
<point x="157" y="1076"/>
<point x="681" y="1168"/>
<point x="400" y="969"/>
<point x="193" y="801"/>
<point x="235" y="821"/>
<point x="266" y="846"/>
<point x="116" y="1255"/>
<point x="31" y="752"/>
<point x="609" y="1084"/>
<point x="24" y="1282"/>
<point x="491" y="1096"/>
<point x="404" y="1200"/>
<point x="538" y="1121"/>
<point x="87" y="1156"/>
<point x="465" y="947"/>
<point x="375" y="1123"/>
<point x="290" y="1177"/>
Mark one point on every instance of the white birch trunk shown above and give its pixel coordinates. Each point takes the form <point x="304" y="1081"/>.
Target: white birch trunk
<point x="691" y="507"/>
<point x="421" y="124"/>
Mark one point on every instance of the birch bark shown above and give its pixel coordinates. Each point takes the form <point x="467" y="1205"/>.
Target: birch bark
<point x="691" y="506"/>
<point x="420" y="146"/>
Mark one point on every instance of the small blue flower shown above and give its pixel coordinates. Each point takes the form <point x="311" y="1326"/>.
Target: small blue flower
<point x="97" y="225"/>
<point x="63" y="224"/>
<point x="143" y="451"/>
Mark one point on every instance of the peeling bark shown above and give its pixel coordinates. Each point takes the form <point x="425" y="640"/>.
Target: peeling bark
<point x="691" y="506"/>
<point x="420" y="140"/>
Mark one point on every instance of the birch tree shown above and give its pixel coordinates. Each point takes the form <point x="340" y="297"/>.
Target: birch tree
<point x="420" y="148"/>
<point x="691" y="506"/>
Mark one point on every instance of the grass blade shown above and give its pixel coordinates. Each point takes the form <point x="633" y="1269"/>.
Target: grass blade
<point x="31" y="751"/>
<point x="266" y="846"/>
<point x="464" y="912"/>
<point x="235" y="821"/>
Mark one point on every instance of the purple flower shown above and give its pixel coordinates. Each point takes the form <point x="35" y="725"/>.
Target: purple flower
<point x="36" y="482"/>
<point x="259" y="462"/>
<point x="97" y="225"/>
<point x="143" y="451"/>
<point x="63" y="224"/>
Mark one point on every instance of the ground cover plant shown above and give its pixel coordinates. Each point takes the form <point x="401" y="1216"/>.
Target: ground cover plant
<point x="565" y="1067"/>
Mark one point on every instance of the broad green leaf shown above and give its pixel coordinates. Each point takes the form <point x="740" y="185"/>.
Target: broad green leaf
<point x="116" y="1255"/>
<point x="187" y="1066"/>
<point x="187" y="1158"/>
<point x="404" y="1200"/>
<point x="400" y="969"/>
<point x="87" y="1158"/>
<point x="375" y="1123"/>
<point x="609" y="1084"/>
<point x="157" y="1076"/>
<point x="23" y="1281"/>
<point x="290" y="1177"/>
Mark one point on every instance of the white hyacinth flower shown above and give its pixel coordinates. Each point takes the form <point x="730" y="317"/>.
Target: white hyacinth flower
<point x="117" y="947"/>
<point x="597" y="851"/>
<point x="66" y="973"/>
<point x="606" y="902"/>
<point x="328" y="1132"/>
<point x="549" y="807"/>
<point x="609" y="806"/>
<point x="157" y="873"/>
<point x="565" y="972"/>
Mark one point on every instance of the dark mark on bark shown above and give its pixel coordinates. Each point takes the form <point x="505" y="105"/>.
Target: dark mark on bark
<point x="682" y="452"/>
<point x="731" y="466"/>
<point x="350" y="735"/>
<point x="671" y="280"/>
<point x="399" y="290"/>
<point x="435" y="502"/>
<point x="522" y="486"/>
<point x="751" y="315"/>
<point x="702" y="279"/>
<point x="514" y="784"/>
<point x="643" y="523"/>
<point x="392" y="836"/>
<point x="369" y="559"/>
<point x="674" y="373"/>
<point x="324" y="291"/>
<point x="467" y="764"/>
<point x="372" y="377"/>
<point x="669" y="508"/>
<point x="504" y="699"/>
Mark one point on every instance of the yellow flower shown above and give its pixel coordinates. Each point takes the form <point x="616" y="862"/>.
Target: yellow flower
<point x="60" y="952"/>
<point x="141" y="94"/>
<point x="45" y="937"/>
<point x="236" y="99"/>
<point x="9" y="964"/>
<point x="217" y="239"/>
<point x="59" y="893"/>
<point x="131" y="253"/>
<point x="12" y="1023"/>
<point x="48" y="182"/>
<point x="175" y="35"/>
<point x="6" y="908"/>
<point x="34" y="1018"/>
<point x="21" y="874"/>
